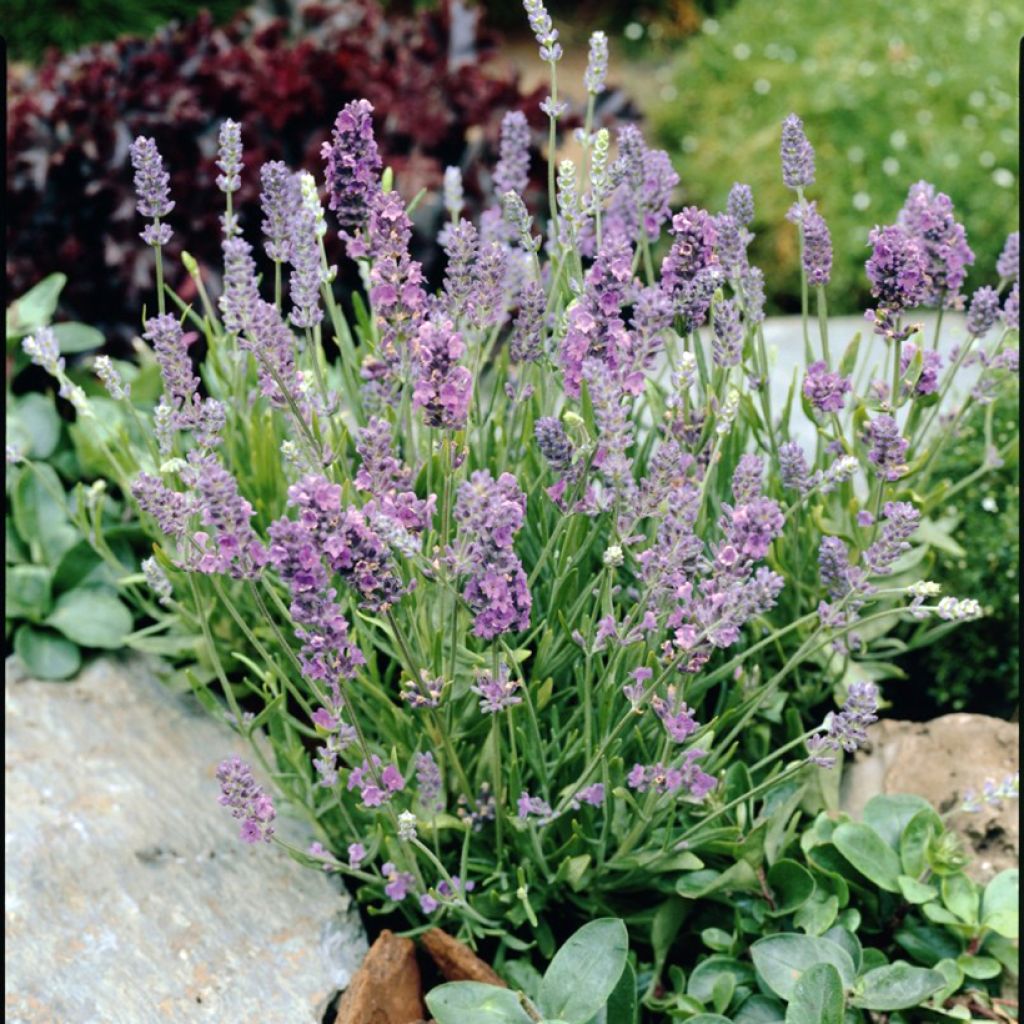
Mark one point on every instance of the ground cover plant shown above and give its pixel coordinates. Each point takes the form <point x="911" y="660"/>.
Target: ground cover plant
<point x="841" y="66"/>
<point x="438" y="93"/>
<point x="541" y="610"/>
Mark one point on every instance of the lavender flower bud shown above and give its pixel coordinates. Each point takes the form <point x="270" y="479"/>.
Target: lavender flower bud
<point x="111" y="379"/>
<point x="280" y="199"/>
<point x="42" y="348"/>
<point x="740" y="205"/>
<point x="454" y="197"/>
<point x="727" y="346"/>
<point x="1008" y="264"/>
<point x="151" y="184"/>
<point x="518" y="218"/>
<point x="825" y="389"/>
<point x="927" y="217"/>
<point x="406" y="826"/>
<point x="311" y="202"/>
<point x="543" y="30"/>
<point x="229" y="157"/>
<point x="953" y="610"/>
<point x="1011" y="308"/>
<point x="307" y="274"/>
<point x="512" y="172"/>
<point x="797" y="154"/>
<point x="157" y="581"/>
<point x="597" y="64"/>
<point x="793" y="469"/>
<point x="600" y="182"/>
<point x="817" y="259"/>
<point x="897" y="271"/>
<point x="527" y="331"/>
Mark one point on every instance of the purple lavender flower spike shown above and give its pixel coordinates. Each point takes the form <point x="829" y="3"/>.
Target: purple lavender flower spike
<point x="443" y="389"/>
<point x="533" y="807"/>
<point x="307" y="275"/>
<point x="152" y="188"/>
<point x="1008" y="264"/>
<point x="353" y="164"/>
<point x="793" y="470"/>
<point x="1011" y="309"/>
<point x="240" y="297"/>
<point x="597" y="64"/>
<point x="887" y="447"/>
<point x="399" y="882"/>
<point x="545" y="33"/>
<point x="234" y="549"/>
<point x="928" y="381"/>
<point x="489" y="512"/>
<point x="927" y="217"/>
<point x="983" y="311"/>
<point x="846" y="730"/>
<point x="747" y="478"/>
<point x="727" y="345"/>
<point x="690" y="271"/>
<point x="170" y="509"/>
<point x="170" y="346"/>
<point x="900" y="522"/>
<point x="897" y="270"/>
<point x="428" y="782"/>
<point x="740" y="205"/>
<point x="797" y="154"/>
<point x="527" y="330"/>
<point x="280" y="200"/>
<point x="825" y="389"/>
<point x="817" y="242"/>
<point x="512" y="172"/>
<point x="496" y="692"/>
<point x="229" y="157"/>
<point x="246" y="800"/>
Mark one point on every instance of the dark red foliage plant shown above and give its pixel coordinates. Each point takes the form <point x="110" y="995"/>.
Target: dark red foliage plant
<point x="433" y="78"/>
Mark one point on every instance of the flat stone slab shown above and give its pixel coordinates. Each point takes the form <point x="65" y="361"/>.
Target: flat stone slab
<point x="128" y="896"/>
<point x="941" y="760"/>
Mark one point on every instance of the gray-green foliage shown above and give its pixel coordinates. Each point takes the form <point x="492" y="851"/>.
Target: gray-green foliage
<point x="890" y="93"/>
<point x="61" y="596"/>
<point x="847" y="917"/>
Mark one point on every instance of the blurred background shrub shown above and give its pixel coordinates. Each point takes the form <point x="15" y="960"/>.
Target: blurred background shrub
<point x="439" y="96"/>
<point x="890" y="93"/>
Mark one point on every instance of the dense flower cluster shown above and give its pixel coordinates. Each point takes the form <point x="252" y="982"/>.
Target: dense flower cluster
<point x="246" y="800"/>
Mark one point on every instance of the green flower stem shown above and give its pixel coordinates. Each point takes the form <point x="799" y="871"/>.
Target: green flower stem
<point x="552" y="155"/>
<point x="804" y="298"/>
<point x="823" y="325"/>
<point x="158" y="251"/>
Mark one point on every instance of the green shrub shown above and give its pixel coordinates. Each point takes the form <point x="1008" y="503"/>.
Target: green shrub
<point x="987" y="522"/>
<point x="840" y="66"/>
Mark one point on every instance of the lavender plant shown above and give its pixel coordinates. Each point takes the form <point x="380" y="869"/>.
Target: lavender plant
<point x="531" y="589"/>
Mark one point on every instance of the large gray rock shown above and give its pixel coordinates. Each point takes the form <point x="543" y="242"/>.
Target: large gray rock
<point x="941" y="760"/>
<point x="129" y="897"/>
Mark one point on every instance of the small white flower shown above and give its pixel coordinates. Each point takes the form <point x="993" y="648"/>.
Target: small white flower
<point x="407" y="825"/>
<point x="613" y="557"/>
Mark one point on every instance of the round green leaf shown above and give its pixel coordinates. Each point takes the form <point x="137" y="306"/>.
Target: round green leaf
<point x="897" y="986"/>
<point x="703" y="977"/>
<point x="917" y="834"/>
<point x="791" y="885"/>
<point x="759" y="1009"/>
<point x="460" y="1001"/>
<point x="27" y="595"/>
<point x="33" y="425"/>
<point x="36" y="307"/>
<point x="980" y="967"/>
<point x="871" y="855"/>
<point x="77" y="337"/>
<point x="844" y="937"/>
<point x="585" y="970"/>
<point x="1000" y="904"/>
<point x="962" y="896"/>
<point x="46" y="655"/>
<point x="781" y="960"/>
<point x="817" y="997"/>
<point x="92" y="618"/>
<point x="708" y="1018"/>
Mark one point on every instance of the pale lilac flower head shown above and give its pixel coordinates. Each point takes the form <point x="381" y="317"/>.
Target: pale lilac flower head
<point x="1011" y="308"/>
<point x="353" y="164"/>
<point x="152" y="187"/>
<point x="597" y="64"/>
<point x="533" y="807"/>
<point x="931" y="363"/>
<point x="983" y="311"/>
<point x="825" y="389"/>
<point x="229" y="156"/>
<point x="545" y="33"/>
<point x="497" y="692"/>
<point x="443" y="388"/>
<point x="399" y="882"/>
<point x="740" y="205"/>
<point x="246" y="800"/>
<point x="887" y="447"/>
<point x="512" y="173"/>
<point x="898" y="272"/>
<point x="1008" y="264"/>
<point x="927" y="216"/>
<point x="280" y="200"/>
<point x="797" y="154"/>
<point x="817" y="242"/>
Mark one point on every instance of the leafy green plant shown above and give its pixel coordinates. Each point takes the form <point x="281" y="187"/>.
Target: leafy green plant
<point x="589" y="981"/>
<point x="840" y="66"/>
<point x="841" y="920"/>
<point x="68" y="546"/>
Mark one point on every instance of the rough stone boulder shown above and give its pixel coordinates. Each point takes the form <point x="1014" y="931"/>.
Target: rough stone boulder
<point x="129" y="897"/>
<point x="941" y="760"/>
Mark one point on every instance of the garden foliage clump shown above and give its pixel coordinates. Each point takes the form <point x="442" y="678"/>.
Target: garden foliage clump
<point x="535" y="605"/>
